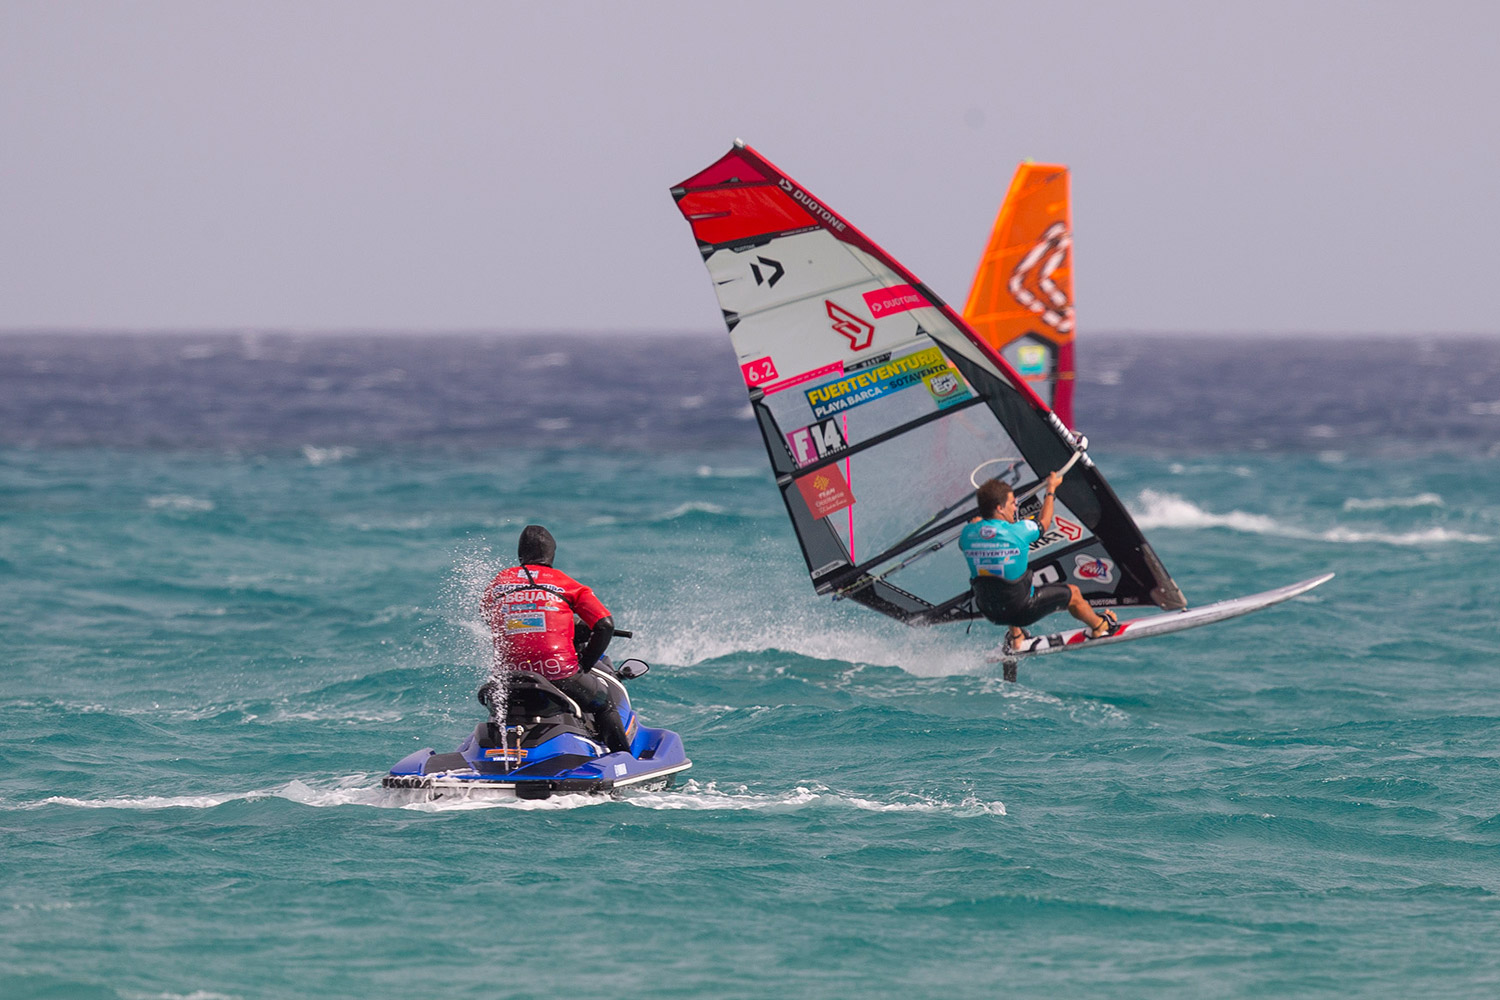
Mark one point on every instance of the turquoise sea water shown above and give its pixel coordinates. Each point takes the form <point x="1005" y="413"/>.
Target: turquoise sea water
<point x="210" y="656"/>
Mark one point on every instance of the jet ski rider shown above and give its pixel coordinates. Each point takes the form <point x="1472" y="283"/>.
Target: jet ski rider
<point x="998" y="548"/>
<point x="530" y="609"/>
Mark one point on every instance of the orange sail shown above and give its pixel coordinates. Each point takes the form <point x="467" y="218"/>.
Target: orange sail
<point x="1022" y="299"/>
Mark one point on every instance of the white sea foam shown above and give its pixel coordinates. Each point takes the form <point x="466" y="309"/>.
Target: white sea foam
<point x="179" y="502"/>
<point x="729" y="472"/>
<point x="1394" y="503"/>
<point x="327" y="456"/>
<point x="360" y="790"/>
<point x="691" y="507"/>
<point x="1166" y="510"/>
<point x="555" y="359"/>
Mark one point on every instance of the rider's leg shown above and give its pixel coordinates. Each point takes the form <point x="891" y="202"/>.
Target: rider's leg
<point x="1079" y="608"/>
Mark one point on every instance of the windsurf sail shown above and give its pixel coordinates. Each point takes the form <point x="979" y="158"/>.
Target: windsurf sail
<point x="1021" y="303"/>
<point x="877" y="404"/>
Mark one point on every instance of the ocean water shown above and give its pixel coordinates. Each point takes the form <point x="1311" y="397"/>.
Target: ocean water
<point x="238" y="579"/>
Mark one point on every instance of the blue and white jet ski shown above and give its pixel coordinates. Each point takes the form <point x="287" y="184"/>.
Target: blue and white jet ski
<point x="538" y="742"/>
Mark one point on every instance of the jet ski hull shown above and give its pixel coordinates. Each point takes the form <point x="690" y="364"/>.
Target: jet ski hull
<point x="550" y="755"/>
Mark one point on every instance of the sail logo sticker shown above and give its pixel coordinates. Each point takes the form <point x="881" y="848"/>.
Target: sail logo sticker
<point x="818" y="211"/>
<point x="859" y="332"/>
<point x="1047" y="574"/>
<point x="825" y="492"/>
<point x="525" y="623"/>
<point x="889" y="301"/>
<point x="1072" y="532"/>
<point x="1087" y="567"/>
<point x="947" y="388"/>
<point x="1031" y="359"/>
<point x="872" y="383"/>
<point x="1037" y="267"/>
<point x="816" y="441"/>
<point x="759" y="371"/>
<point x="837" y="368"/>
<point x="776" y="274"/>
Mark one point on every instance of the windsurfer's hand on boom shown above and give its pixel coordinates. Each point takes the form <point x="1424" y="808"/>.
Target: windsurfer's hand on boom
<point x="1044" y="520"/>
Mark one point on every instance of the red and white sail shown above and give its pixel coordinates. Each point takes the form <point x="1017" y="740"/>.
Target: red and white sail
<point x="877" y="404"/>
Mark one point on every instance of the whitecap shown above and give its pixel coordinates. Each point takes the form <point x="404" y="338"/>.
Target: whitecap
<point x="554" y="359"/>
<point x="1166" y="510"/>
<point x="1389" y="503"/>
<point x="327" y="456"/>
<point x="179" y="502"/>
<point x="691" y="507"/>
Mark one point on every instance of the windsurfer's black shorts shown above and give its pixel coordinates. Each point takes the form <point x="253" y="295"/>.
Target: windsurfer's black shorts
<point x="1007" y="602"/>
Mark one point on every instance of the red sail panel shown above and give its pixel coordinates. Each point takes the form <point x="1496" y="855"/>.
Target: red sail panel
<point x="726" y="214"/>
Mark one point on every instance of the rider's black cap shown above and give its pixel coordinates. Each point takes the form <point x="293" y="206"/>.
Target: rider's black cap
<point x="537" y="546"/>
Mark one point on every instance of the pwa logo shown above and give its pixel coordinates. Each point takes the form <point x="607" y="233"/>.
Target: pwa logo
<point x="1087" y="567"/>
<point x="859" y="332"/>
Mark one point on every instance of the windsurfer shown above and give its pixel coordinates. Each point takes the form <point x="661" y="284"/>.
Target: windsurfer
<point x="530" y="609"/>
<point x="997" y="547"/>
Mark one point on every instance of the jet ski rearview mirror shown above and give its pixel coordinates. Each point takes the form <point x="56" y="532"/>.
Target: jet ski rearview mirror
<point x="631" y="669"/>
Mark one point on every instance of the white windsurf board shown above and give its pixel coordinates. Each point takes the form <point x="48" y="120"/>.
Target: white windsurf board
<point x="1158" y="624"/>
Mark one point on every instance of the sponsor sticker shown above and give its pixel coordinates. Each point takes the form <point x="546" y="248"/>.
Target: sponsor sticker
<point x="947" y="388"/>
<point x="859" y="332"/>
<point x="1071" y="531"/>
<point x="1031" y="359"/>
<point x="825" y="491"/>
<point x="772" y="273"/>
<point x="1087" y="567"/>
<point x="837" y="368"/>
<point x="829" y="568"/>
<point x="1049" y="573"/>
<point x="528" y="622"/>
<point x="872" y="383"/>
<point x="816" y="441"/>
<point x="896" y="299"/>
<point x="759" y="371"/>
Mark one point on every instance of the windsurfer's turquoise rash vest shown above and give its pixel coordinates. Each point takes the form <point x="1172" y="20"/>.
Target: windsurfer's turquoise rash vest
<point x="999" y="548"/>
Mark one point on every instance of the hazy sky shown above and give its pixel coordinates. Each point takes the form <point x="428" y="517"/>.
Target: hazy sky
<point x="1237" y="166"/>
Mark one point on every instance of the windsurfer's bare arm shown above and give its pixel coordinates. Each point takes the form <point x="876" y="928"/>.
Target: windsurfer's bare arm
<point x="1044" y="521"/>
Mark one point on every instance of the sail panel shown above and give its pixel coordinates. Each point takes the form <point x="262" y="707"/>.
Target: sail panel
<point x="1021" y="302"/>
<point x="877" y="403"/>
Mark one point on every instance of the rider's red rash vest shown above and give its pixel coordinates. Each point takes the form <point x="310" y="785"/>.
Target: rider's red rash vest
<point x="530" y="612"/>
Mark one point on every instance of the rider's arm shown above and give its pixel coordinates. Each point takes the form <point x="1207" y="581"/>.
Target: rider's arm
<point x="599" y="636"/>
<point x="1044" y="521"/>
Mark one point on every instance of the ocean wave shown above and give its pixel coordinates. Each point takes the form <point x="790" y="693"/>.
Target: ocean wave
<point x="691" y="507"/>
<point x="1167" y="510"/>
<point x="1394" y="503"/>
<point x="359" y="790"/>
<point x="179" y="502"/>
<point x="728" y="472"/>
<point x="327" y="456"/>
<point x="709" y="797"/>
<point x="353" y="790"/>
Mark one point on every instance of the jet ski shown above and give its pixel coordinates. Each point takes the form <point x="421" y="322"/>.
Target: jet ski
<point x="537" y="743"/>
